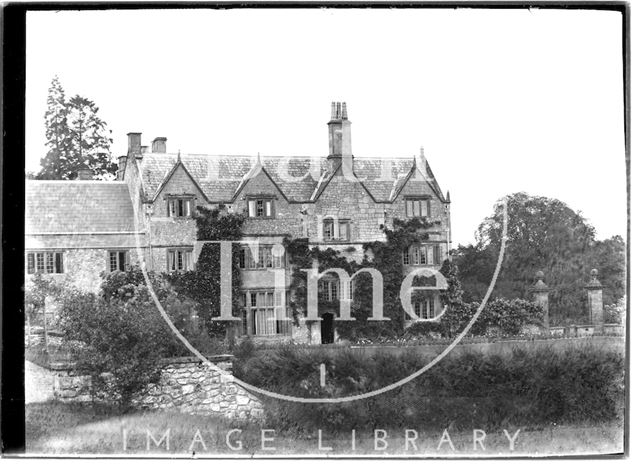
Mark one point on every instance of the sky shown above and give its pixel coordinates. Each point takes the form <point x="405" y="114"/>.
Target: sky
<point x="501" y="100"/>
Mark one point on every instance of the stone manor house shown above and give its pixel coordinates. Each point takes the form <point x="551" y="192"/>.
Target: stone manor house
<point x="78" y="229"/>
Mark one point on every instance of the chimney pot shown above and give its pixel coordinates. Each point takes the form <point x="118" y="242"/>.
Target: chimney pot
<point x="134" y="143"/>
<point x="159" y="145"/>
<point x="339" y="134"/>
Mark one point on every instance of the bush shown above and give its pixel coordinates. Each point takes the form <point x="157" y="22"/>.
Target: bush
<point x="521" y="386"/>
<point x="122" y="338"/>
<point x="616" y="313"/>
<point x="509" y="316"/>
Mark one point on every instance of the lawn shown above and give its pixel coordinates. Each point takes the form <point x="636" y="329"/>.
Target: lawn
<point x="60" y="429"/>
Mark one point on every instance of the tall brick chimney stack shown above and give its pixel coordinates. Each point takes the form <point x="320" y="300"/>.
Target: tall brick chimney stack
<point x="135" y="144"/>
<point x="339" y="135"/>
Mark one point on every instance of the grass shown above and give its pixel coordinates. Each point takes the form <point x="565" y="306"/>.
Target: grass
<point x="56" y="428"/>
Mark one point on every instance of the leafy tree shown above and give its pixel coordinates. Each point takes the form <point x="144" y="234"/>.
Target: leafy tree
<point x="76" y="137"/>
<point x="609" y="258"/>
<point x="55" y="163"/>
<point x="120" y="337"/>
<point x="543" y="234"/>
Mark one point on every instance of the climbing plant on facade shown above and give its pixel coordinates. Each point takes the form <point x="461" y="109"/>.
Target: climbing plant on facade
<point x="203" y="283"/>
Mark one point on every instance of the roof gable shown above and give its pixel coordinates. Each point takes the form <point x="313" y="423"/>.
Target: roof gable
<point x="299" y="179"/>
<point x="252" y="177"/>
<point x="178" y="170"/>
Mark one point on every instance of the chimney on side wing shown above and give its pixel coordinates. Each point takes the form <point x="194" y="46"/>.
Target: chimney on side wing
<point x="159" y="145"/>
<point x="134" y="147"/>
<point x="84" y="173"/>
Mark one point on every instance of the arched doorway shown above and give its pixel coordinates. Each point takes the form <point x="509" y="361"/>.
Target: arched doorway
<point x="326" y="328"/>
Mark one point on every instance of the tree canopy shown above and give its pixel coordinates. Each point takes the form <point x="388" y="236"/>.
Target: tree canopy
<point x="543" y="234"/>
<point x="76" y="138"/>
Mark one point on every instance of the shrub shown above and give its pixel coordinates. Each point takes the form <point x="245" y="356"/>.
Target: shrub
<point x="616" y="313"/>
<point x="509" y="316"/>
<point x="519" y="386"/>
<point x="122" y="339"/>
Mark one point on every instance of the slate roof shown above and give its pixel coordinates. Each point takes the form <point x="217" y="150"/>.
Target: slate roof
<point x="77" y="207"/>
<point x="221" y="177"/>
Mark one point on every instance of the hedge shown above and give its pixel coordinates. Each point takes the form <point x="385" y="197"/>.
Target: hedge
<point x="522" y="386"/>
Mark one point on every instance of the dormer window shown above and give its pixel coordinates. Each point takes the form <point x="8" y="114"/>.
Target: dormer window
<point x="180" y="206"/>
<point x="418" y="206"/>
<point x="261" y="207"/>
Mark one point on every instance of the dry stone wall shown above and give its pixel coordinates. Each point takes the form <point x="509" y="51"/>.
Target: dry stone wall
<point x="186" y="385"/>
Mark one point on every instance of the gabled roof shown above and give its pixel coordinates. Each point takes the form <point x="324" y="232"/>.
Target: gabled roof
<point x="65" y="206"/>
<point x="176" y="166"/>
<point x="299" y="179"/>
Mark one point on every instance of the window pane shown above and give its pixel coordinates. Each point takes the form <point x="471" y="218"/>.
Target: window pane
<point x="415" y="255"/>
<point x="436" y="254"/>
<point x="50" y="268"/>
<point x="334" y="290"/>
<point x="113" y="261"/>
<point x="259" y="208"/>
<point x="252" y="208"/>
<point x="245" y="328"/>
<point x="59" y="263"/>
<point x="344" y="230"/>
<point x="254" y="299"/>
<point x="409" y="204"/>
<point x="423" y="208"/>
<point x="423" y="255"/>
<point x="122" y="260"/>
<point x="277" y="260"/>
<point x="241" y="257"/>
<point x="328" y="229"/>
<point x="268" y="257"/>
<point x="324" y="291"/>
<point x="31" y="263"/>
<point x="405" y="256"/>
<point x="265" y="322"/>
<point x="40" y="262"/>
<point x="416" y="208"/>
<point x="268" y="208"/>
<point x="188" y="207"/>
<point x="430" y="250"/>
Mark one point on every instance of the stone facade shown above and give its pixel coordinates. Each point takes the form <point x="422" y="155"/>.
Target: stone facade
<point x="186" y="385"/>
<point x="304" y="194"/>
